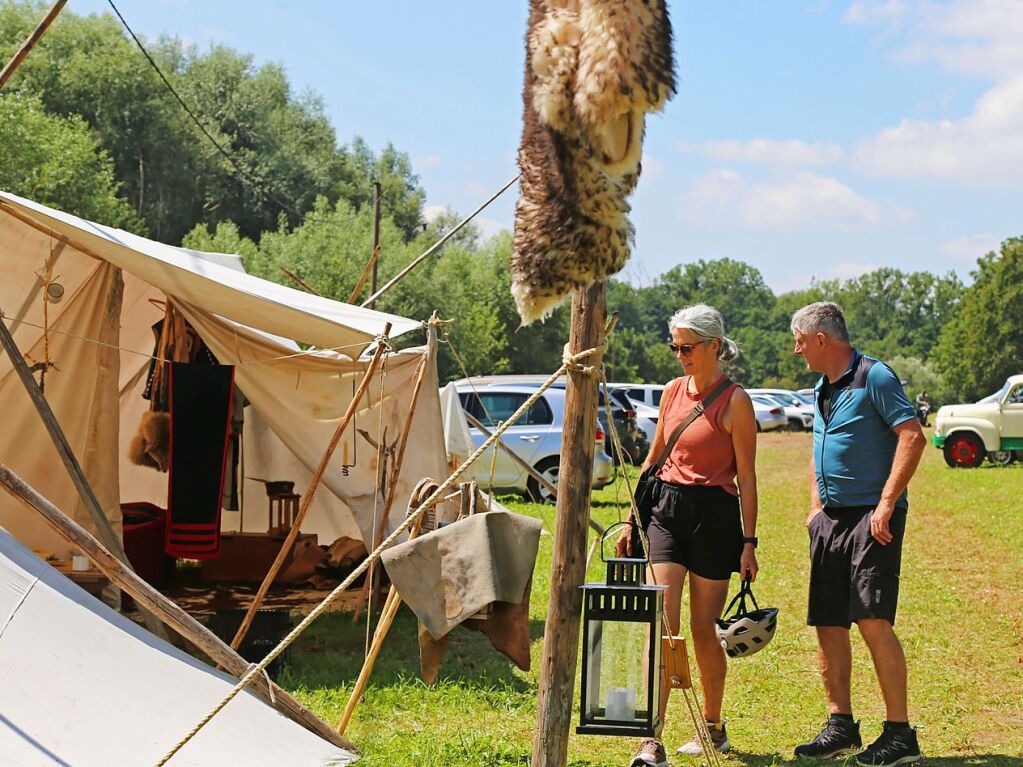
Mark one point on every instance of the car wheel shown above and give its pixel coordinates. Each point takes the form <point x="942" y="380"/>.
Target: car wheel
<point x="794" y="424"/>
<point x="548" y="469"/>
<point x="1001" y="457"/>
<point x="963" y="451"/>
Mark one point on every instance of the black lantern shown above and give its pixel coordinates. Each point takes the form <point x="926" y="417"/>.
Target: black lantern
<point x="621" y="678"/>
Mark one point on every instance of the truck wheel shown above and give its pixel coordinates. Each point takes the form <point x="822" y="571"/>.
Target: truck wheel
<point x="548" y="468"/>
<point x="1001" y="457"/>
<point x="963" y="451"/>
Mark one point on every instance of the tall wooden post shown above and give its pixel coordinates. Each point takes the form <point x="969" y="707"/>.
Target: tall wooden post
<point x="376" y="239"/>
<point x="568" y="564"/>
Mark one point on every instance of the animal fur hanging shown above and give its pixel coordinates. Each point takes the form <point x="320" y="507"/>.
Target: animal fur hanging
<point x="594" y="68"/>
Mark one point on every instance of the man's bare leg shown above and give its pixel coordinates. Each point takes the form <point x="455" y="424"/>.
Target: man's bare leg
<point x="834" y="654"/>
<point x="889" y="665"/>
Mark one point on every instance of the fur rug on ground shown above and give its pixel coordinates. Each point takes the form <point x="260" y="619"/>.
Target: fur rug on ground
<point x="594" y="68"/>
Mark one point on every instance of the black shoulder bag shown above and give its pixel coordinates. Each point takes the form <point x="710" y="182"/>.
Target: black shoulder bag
<point x="647" y="485"/>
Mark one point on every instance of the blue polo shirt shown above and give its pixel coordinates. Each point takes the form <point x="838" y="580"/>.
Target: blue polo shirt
<point x="854" y="446"/>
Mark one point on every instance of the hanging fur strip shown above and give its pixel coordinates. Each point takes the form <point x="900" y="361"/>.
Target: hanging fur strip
<point x="594" y="69"/>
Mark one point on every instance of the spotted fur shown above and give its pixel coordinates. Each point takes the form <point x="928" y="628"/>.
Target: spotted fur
<point x="594" y="68"/>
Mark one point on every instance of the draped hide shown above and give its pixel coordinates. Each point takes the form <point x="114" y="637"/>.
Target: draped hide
<point x="594" y="68"/>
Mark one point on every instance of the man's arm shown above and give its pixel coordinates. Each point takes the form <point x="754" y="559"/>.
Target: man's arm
<point x="815" y="497"/>
<point x="908" y="452"/>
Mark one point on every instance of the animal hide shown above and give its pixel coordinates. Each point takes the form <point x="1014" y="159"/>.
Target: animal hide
<point x="151" y="446"/>
<point x="594" y="68"/>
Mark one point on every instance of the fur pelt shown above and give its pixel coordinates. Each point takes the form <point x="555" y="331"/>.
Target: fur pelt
<point x="151" y="446"/>
<point x="594" y="68"/>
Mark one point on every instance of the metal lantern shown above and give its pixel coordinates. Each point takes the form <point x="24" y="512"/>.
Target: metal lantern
<point x="621" y="677"/>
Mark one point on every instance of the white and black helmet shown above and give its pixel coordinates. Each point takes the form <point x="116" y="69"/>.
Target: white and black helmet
<point x="745" y="631"/>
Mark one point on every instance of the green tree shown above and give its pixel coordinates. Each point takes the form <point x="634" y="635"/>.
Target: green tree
<point x="983" y="342"/>
<point x="56" y="161"/>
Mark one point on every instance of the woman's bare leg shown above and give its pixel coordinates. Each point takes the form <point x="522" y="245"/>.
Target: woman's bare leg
<point x="706" y="601"/>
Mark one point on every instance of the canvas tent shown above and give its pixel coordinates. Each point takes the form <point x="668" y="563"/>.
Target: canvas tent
<point x="63" y="703"/>
<point x="98" y="339"/>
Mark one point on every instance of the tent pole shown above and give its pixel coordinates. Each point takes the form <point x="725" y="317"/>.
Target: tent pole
<point x="144" y="594"/>
<point x="561" y="633"/>
<point x="81" y="483"/>
<point x="307" y="498"/>
<point x="30" y="41"/>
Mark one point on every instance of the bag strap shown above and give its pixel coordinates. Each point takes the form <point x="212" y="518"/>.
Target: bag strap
<point x="693" y="415"/>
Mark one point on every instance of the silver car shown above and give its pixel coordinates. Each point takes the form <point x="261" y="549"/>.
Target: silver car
<point x="769" y="413"/>
<point x="797" y="411"/>
<point x="535" y="438"/>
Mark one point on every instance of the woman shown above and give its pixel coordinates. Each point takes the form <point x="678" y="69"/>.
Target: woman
<point x="696" y="527"/>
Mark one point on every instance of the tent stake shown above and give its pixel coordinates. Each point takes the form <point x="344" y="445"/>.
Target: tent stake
<point x="81" y="483"/>
<point x="307" y="498"/>
<point x="144" y="594"/>
<point x="561" y="632"/>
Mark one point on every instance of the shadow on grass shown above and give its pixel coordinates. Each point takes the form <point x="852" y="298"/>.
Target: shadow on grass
<point x="331" y="652"/>
<point x="973" y="760"/>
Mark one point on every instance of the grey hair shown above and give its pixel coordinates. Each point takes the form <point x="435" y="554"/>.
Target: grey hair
<point x="706" y="323"/>
<point x="822" y="317"/>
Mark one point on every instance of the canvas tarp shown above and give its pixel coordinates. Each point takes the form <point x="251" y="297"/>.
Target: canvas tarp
<point x="64" y="703"/>
<point x="94" y="389"/>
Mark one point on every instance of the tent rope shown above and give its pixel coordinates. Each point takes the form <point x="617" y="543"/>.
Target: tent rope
<point x="387" y="543"/>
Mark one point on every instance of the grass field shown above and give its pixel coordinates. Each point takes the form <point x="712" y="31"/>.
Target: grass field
<point x="960" y="619"/>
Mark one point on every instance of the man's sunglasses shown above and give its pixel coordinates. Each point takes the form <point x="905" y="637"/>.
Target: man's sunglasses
<point x="684" y="349"/>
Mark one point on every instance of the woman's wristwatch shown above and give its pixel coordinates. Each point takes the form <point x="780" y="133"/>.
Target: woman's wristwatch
<point x="749" y="539"/>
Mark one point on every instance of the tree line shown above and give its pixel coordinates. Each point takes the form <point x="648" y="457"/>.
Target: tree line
<point x="89" y="127"/>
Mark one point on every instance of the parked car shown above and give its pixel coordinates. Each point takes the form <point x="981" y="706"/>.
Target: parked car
<point x="769" y="413"/>
<point x="990" y="428"/>
<point x="646" y="398"/>
<point x="634" y="440"/>
<point x="798" y="412"/>
<point x="535" y="438"/>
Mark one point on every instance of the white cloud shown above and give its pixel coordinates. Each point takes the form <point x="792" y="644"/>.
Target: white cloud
<point x="427" y="161"/>
<point x="489" y="227"/>
<point x="806" y="199"/>
<point x="652" y="167"/>
<point x="985" y="147"/>
<point x="430" y="212"/>
<point x="969" y="248"/>
<point x="763" y="151"/>
<point x="844" y="270"/>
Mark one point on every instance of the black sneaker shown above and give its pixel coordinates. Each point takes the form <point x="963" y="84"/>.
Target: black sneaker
<point x="897" y="745"/>
<point x="840" y="737"/>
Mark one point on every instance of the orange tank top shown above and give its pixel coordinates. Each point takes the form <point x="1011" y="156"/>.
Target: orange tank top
<point x="703" y="454"/>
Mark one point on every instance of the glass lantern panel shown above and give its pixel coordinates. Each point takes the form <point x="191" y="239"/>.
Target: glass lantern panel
<point x="618" y="654"/>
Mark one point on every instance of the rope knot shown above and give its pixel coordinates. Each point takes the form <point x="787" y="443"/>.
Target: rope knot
<point x="572" y="362"/>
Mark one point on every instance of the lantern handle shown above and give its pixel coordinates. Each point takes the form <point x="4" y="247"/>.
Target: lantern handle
<point x="610" y="529"/>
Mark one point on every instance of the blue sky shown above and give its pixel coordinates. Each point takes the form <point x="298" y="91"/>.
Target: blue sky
<point x="808" y="137"/>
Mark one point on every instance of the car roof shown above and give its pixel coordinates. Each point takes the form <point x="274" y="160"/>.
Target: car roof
<point x="510" y="388"/>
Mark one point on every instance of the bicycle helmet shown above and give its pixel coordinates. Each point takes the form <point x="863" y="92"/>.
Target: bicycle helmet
<point x="745" y="631"/>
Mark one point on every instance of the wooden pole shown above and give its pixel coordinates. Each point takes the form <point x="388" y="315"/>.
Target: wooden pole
<point x="371" y="266"/>
<point x="67" y="456"/>
<point x="561" y="633"/>
<point x="376" y="240"/>
<point x="30" y="41"/>
<point x="145" y="595"/>
<point x="299" y="281"/>
<point x="435" y="247"/>
<point x="597" y="528"/>
<point x="296" y="526"/>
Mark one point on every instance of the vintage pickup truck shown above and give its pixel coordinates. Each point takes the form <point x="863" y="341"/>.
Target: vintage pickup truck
<point x="991" y="428"/>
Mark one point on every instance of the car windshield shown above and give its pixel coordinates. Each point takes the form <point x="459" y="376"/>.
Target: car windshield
<point x="997" y="396"/>
<point x="806" y="399"/>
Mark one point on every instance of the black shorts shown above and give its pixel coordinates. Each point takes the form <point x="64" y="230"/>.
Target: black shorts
<point x="852" y="576"/>
<point x="697" y="527"/>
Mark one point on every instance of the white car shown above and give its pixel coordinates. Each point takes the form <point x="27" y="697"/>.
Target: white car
<point x="769" y="413"/>
<point x="535" y="438"/>
<point x="797" y="411"/>
<point x="991" y="427"/>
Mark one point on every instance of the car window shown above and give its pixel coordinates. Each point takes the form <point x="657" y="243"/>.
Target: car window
<point x="1015" y="396"/>
<point x="639" y="395"/>
<point x="491" y="407"/>
<point x="622" y="398"/>
<point x="539" y="414"/>
<point x="657" y="396"/>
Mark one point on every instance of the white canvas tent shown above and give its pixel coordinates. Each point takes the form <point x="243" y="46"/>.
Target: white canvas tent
<point x="98" y="341"/>
<point x="64" y="703"/>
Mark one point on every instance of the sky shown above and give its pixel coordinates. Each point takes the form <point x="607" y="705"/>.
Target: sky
<point x="808" y="138"/>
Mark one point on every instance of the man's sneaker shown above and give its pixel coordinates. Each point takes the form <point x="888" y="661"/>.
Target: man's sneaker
<point x="650" y="754"/>
<point x="718" y="737"/>
<point x="897" y="745"/>
<point x="840" y="737"/>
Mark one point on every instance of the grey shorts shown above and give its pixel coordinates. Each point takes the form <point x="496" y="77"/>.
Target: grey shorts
<point x="852" y="576"/>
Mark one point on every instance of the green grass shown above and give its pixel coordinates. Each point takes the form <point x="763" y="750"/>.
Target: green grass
<point x="960" y="619"/>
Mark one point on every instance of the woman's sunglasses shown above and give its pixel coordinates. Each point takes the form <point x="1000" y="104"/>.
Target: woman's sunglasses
<point x="684" y="349"/>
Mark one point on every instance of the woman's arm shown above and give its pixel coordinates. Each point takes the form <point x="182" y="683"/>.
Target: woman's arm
<point x="744" y="443"/>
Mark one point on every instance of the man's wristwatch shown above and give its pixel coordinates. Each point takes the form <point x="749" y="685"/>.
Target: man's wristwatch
<point x="749" y="539"/>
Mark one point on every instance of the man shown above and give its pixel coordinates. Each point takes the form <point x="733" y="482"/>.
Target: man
<point x="923" y="406"/>
<point x="867" y="443"/>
